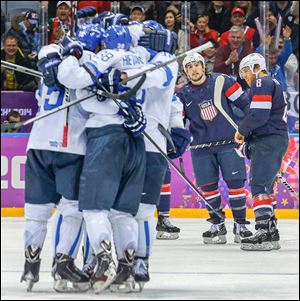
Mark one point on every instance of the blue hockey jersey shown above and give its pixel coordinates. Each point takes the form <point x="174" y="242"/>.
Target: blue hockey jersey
<point x="206" y="123"/>
<point x="268" y="109"/>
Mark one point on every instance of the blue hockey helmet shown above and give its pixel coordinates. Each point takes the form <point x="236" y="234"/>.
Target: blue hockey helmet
<point x="120" y="19"/>
<point x="90" y="35"/>
<point x="151" y="24"/>
<point x="117" y="37"/>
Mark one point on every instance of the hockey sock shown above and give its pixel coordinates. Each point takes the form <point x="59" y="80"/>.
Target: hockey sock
<point x="36" y="217"/>
<point x="263" y="210"/>
<point x="165" y="196"/>
<point x="125" y="230"/>
<point x="146" y="229"/>
<point x="237" y="200"/>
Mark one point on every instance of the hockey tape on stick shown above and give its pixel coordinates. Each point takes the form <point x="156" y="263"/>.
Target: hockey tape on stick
<point x="158" y="66"/>
<point x="212" y="144"/>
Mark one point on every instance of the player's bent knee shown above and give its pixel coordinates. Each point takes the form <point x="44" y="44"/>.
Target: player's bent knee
<point x="69" y="209"/>
<point x="145" y="211"/>
<point x="38" y="212"/>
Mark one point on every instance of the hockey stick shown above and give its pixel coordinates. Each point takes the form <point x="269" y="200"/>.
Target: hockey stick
<point x="212" y="144"/>
<point x="158" y="66"/>
<point x="218" y="103"/>
<point x="124" y="96"/>
<point x="287" y="185"/>
<point x="22" y="69"/>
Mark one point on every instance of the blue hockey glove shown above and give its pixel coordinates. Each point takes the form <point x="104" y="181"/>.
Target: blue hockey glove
<point x="49" y="67"/>
<point x="181" y="138"/>
<point x="135" y="121"/>
<point x="71" y="47"/>
<point x="153" y="39"/>
<point x="86" y="12"/>
<point x="243" y="150"/>
<point x="110" y="80"/>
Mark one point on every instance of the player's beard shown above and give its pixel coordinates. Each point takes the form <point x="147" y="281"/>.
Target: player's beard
<point x="197" y="79"/>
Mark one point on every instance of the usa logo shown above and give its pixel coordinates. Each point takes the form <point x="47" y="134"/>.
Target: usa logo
<point x="207" y="110"/>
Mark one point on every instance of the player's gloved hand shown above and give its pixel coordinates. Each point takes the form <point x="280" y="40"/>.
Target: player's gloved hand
<point x="243" y="150"/>
<point x="110" y="80"/>
<point x="88" y="11"/>
<point x="49" y="67"/>
<point x="135" y="119"/>
<point x="71" y="47"/>
<point x="181" y="138"/>
<point x="153" y="39"/>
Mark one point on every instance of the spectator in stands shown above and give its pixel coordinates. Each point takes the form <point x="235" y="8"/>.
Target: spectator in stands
<point x="295" y="27"/>
<point x="171" y="24"/>
<point x="228" y="57"/>
<point x="290" y="68"/>
<point x="147" y="9"/>
<point x="201" y="33"/>
<point x="210" y="55"/>
<point x="2" y="23"/>
<point x="251" y="12"/>
<point x="24" y="28"/>
<point x="13" y="117"/>
<point x="277" y="58"/>
<point x="137" y="13"/>
<point x="61" y="23"/>
<point x="12" y="80"/>
<point x="219" y="16"/>
<point x="101" y="6"/>
<point x="282" y="8"/>
<point x="238" y="19"/>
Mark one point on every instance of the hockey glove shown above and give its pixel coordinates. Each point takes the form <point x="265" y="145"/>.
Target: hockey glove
<point x="71" y="47"/>
<point x="153" y="39"/>
<point x="110" y="80"/>
<point x="181" y="138"/>
<point x="243" y="150"/>
<point x="135" y="121"/>
<point x="49" y="67"/>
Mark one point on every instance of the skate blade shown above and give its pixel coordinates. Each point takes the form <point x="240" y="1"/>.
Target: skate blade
<point x="218" y="240"/>
<point x="124" y="288"/>
<point x="265" y="246"/>
<point x="166" y="235"/>
<point x="100" y="285"/>
<point x="276" y="245"/>
<point x="28" y="282"/>
<point x="66" y="286"/>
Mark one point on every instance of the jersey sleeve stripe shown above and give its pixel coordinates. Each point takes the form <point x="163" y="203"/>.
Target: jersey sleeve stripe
<point x="230" y="91"/>
<point x="261" y="105"/>
<point x="262" y="98"/>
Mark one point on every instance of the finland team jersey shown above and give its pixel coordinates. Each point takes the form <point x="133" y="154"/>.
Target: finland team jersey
<point x="206" y="123"/>
<point x="268" y="109"/>
<point x="72" y="75"/>
<point x="156" y="94"/>
<point x="47" y="133"/>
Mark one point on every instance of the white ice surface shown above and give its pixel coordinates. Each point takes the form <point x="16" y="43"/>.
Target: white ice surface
<point x="181" y="269"/>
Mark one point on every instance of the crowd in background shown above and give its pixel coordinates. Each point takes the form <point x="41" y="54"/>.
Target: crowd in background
<point x="230" y="25"/>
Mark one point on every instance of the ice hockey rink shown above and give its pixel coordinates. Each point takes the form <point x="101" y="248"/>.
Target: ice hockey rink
<point x="181" y="269"/>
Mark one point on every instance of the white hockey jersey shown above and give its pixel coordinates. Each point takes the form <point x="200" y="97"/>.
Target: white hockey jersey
<point x="47" y="133"/>
<point x="72" y="75"/>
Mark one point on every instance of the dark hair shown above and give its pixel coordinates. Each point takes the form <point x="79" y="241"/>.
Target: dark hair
<point x="6" y="37"/>
<point x="214" y="42"/>
<point x="14" y="114"/>
<point x="176" y="25"/>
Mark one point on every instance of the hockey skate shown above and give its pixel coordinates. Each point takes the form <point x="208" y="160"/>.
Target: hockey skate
<point x="260" y="241"/>
<point x="240" y="230"/>
<point x="105" y="269"/>
<point x="275" y="238"/>
<point x="124" y="281"/>
<point x="67" y="277"/>
<point x="216" y="234"/>
<point x="141" y="272"/>
<point x="165" y="229"/>
<point x="89" y="265"/>
<point x="31" y="267"/>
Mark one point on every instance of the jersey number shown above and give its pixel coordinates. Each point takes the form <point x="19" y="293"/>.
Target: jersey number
<point x="53" y="99"/>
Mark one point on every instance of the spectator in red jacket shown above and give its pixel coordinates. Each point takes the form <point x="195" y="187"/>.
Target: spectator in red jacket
<point x="238" y="19"/>
<point x="201" y="33"/>
<point x="228" y="56"/>
<point x="101" y="6"/>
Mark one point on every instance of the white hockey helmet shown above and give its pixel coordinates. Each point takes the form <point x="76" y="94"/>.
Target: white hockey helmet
<point x="250" y="61"/>
<point x="195" y="57"/>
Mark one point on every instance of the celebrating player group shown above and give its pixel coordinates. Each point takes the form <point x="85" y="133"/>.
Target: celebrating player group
<point x="103" y="161"/>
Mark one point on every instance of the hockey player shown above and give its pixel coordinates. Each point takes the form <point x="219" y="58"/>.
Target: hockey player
<point x="157" y="97"/>
<point x="114" y="168"/>
<point x="52" y="177"/>
<point x="265" y="130"/>
<point x="208" y="125"/>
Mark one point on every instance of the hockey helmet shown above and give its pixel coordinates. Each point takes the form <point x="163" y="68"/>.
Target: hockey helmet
<point x="90" y="36"/>
<point x="250" y="61"/>
<point x="117" y="37"/>
<point x="195" y="57"/>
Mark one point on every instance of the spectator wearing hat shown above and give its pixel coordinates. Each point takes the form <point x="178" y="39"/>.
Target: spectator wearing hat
<point x="10" y="79"/>
<point x="202" y="32"/>
<point x="24" y="28"/>
<point x="145" y="10"/>
<point x="137" y="13"/>
<point x="251" y="12"/>
<point x="229" y="56"/>
<point x="219" y="16"/>
<point x="238" y="19"/>
<point x="60" y="24"/>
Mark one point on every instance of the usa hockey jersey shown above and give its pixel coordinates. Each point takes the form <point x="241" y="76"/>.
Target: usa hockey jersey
<point x="268" y="109"/>
<point x="206" y="123"/>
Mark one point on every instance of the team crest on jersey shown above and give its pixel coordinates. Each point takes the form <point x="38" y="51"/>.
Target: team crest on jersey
<point x="207" y="110"/>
